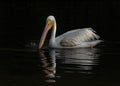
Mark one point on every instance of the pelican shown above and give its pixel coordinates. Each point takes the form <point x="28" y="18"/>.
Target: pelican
<point x="77" y="38"/>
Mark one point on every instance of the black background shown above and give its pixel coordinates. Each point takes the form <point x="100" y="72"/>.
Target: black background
<point x="25" y="20"/>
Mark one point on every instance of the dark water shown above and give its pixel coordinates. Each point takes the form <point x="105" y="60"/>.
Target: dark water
<point x="28" y="66"/>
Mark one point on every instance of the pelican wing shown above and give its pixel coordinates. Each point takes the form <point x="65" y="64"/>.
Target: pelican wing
<point x="76" y="37"/>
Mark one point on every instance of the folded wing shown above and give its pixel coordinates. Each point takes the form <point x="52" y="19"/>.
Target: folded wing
<point x="76" y="37"/>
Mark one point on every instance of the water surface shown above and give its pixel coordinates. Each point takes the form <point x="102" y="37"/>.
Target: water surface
<point x="29" y="66"/>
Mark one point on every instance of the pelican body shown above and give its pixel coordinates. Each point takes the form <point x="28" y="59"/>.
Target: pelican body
<point x="77" y="38"/>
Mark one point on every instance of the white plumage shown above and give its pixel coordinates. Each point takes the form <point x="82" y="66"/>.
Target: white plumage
<point x="85" y="37"/>
<point x="77" y="38"/>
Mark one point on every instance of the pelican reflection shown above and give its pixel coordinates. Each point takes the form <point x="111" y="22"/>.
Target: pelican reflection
<point x="78" y="60"/>
<point x="68" y="60"/>
<point x="48" y="65"/>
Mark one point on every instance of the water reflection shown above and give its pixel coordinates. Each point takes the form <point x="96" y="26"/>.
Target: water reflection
<point x="68" y="61"/>
<point x="78" y="60"/>
<point x="48" y="65"/>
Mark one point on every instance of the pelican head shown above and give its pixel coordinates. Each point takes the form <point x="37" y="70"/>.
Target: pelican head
<point x="51" y="17"/>
<point x="49" y="25"/>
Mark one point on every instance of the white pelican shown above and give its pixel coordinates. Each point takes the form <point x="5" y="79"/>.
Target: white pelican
<point x="77" y="38"/>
